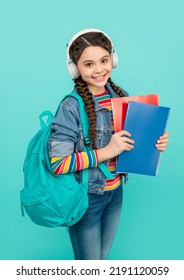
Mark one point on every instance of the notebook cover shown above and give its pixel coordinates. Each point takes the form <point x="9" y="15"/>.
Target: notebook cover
<point x="146" y="123"/>
<point x="119" y="107"/>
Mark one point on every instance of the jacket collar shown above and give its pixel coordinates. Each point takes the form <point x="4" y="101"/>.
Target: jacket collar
<point x="113" y="94"/>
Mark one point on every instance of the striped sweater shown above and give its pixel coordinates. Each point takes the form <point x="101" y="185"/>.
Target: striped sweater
<point x="89" y="159"/>
<point x="104" y="101"/>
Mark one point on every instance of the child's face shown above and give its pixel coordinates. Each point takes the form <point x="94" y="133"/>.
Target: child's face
<point x="95" y="68"/>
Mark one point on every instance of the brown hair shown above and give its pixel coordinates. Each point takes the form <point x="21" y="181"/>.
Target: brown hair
<point x="75" y="51"/>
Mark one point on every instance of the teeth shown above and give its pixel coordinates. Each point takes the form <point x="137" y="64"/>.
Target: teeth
<point x="99" y="78"/>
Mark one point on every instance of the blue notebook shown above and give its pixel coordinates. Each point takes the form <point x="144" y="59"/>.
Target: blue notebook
<point x="146" y="123"/>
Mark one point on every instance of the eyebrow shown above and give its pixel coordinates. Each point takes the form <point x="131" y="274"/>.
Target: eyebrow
<point x="87" y="61"/>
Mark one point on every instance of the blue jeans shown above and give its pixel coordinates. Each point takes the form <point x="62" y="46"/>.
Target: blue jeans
<point x="93" y="235"/>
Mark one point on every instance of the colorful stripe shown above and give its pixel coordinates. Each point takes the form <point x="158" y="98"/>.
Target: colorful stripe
<point x="74" y="162"/>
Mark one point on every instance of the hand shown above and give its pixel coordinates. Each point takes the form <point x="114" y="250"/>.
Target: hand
<point x="162" y="142"/>
<point x="119" y="142"/>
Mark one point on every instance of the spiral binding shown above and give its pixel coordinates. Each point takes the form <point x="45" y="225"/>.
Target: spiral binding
<point x="167" y="120"/>
<point x="158" y="165"/>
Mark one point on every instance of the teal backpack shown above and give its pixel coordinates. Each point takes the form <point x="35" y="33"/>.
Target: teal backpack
<point x="48" y="199"/>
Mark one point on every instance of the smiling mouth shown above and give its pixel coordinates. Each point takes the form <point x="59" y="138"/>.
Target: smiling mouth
<point x="99" y="78"/>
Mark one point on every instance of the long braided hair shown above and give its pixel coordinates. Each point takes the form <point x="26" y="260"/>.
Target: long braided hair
<point x="75" y="51"/>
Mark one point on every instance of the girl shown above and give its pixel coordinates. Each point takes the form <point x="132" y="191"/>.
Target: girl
<point x="90" y="59"/>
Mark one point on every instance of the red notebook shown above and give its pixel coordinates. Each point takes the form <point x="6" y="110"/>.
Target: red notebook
<point x="120" y="104"/>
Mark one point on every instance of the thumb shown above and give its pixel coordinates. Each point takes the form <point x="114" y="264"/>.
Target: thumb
<point x="123" y="133"/>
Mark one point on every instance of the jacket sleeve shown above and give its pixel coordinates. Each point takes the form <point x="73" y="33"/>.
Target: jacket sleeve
<point x="65" y="129"/>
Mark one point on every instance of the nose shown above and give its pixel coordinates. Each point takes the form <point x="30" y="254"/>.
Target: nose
<point x="98" y="68"/>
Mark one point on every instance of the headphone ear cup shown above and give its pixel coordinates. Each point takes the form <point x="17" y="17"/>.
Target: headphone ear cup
<point x="114" y="59"/>
<point x="73" y="70"/>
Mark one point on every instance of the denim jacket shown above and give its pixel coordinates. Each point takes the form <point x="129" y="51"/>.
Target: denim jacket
<point x="67" y="136"/>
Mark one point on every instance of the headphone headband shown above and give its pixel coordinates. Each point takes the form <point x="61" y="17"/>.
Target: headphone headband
<point x="72" y="68"/>
<point x="82" y="32"/>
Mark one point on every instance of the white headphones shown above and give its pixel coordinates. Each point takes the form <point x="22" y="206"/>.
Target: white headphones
<point x="72" y="68"/>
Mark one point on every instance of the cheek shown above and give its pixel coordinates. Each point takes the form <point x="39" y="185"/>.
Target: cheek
<point x="83" y="71"/>
<point x="86" y="74"/>
<point x="110" y="67"/>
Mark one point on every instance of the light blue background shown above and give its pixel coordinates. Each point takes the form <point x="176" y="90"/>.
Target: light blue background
<point x="148" y="36"/>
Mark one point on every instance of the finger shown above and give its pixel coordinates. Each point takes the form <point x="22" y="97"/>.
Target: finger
<point x="124" y="133"/>
<point x="161" y="147"/>
<point x="127" y="140"/>
<point x="163" y="138"/>
<point x="162" y="141"/>
<point x="128" y="147"/>
<point x="165" y="135"/>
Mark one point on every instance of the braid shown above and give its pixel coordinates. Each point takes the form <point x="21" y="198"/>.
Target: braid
<point x="83" y="91"/>
<point x="116" y="88"/>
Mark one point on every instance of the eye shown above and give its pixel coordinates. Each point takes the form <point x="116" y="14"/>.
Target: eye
<point x="89" y="64"/>
<point x="105" y="60"/>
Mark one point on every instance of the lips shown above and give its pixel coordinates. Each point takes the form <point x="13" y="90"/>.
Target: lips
<point x="99" y="78"/>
